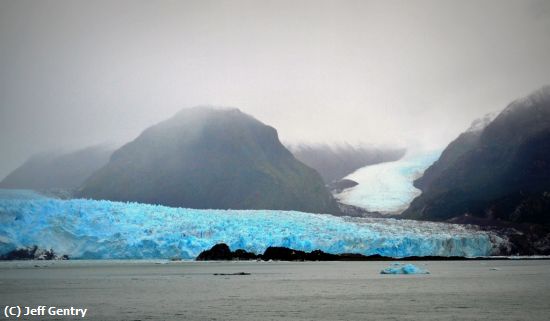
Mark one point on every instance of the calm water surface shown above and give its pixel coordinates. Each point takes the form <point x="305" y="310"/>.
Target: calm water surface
<point x="149" y="290"/>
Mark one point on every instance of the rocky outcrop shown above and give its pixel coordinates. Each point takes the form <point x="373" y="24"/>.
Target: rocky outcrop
<point x="221" y="252"/>
<point x="32" y="253"/>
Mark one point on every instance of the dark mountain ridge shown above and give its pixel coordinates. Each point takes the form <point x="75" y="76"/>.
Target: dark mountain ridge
<point x="499" y="172"/>
<point x="58" y="170"/>
<point x="210" y="158"/>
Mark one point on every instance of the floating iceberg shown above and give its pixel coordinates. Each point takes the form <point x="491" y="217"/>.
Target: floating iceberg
<point x="89" y="229"/>
<point x="388" y="187"/>
<point x="400" y="268"/>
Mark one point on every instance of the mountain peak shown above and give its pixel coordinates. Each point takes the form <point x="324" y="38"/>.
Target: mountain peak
<point x="210" y="157"/>
<point x="503" y="173"/>
<point x="209" y="109"/>
<point x="480" y="123"/>
<point x="537" y="97"/>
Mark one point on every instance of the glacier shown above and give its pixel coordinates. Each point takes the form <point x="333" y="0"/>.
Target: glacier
<point x="88" y="229"/>
<point x="388" y="188"/>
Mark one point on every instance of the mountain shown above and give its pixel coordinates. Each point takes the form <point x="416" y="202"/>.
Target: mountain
<point x="337" y="161"/>
<point x="58" y="170"/>
<point x="462" y="144"/>
<point x="210" y="158"/>
<point x="499" y="171"/>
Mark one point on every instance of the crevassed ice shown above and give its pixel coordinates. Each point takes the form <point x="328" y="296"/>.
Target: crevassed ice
<point x="388" y="187"/>
<point x="103" y="229"/>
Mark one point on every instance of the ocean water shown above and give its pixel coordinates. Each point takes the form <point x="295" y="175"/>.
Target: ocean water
<point x="141" y="290"/>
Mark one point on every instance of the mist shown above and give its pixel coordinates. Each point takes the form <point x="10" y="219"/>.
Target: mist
<point x="408" y="74"/>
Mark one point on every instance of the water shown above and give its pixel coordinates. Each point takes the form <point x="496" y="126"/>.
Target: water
<point x="162" y="290"/>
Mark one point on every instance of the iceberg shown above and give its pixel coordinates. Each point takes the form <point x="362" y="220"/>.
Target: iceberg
<point x="88" y="229"/>
<point x="400" y="268"/>
<point x="387" y="188"/>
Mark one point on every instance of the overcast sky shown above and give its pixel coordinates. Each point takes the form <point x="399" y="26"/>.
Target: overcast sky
<point x="407" y="73"/>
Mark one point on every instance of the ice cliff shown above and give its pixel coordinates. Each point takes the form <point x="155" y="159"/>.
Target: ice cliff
<point x="88" y="229"/>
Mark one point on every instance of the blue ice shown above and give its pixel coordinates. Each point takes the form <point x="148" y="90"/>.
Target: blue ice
<point x="88" y="229"/>
<point x="400" y="268"/>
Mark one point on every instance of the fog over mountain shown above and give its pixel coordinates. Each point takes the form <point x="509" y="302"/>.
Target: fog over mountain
<point x="497" y="172"/>
<point x="334" y="162"/>
<point x="58" y="170"/>
<point x="211" y="158"/>
<point x="388" y="73"/>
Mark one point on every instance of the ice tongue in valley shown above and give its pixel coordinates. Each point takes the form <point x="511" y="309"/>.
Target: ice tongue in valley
<point x="388" y="187"/>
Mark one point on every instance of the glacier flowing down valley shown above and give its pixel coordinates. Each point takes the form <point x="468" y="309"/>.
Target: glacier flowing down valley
<point x="86" y="229"/>
<point x="387" y="188"/>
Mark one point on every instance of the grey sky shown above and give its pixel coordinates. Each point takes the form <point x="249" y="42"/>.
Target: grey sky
<point x="407" y="73"/>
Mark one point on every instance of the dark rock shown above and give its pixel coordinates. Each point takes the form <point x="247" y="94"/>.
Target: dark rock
<point x="21" y="254"/>
<point x="32" y="253"/>
<point x="319" y="255"/>
<point x="222" y="252"/>
<point x="525" y="239"/>
<point x="238" y="273"/>
<point x="243" y="255"/>
<point x="283" y="254"/>
<point x="361" y="257"/>
<point x="277" y="253"/>
<point x="341" y="185"/>
<point x="217" y="252"/>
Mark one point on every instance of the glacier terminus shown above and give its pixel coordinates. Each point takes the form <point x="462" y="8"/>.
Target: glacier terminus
<point x="86" y="229"/>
